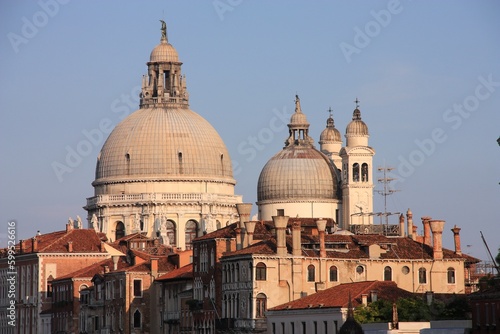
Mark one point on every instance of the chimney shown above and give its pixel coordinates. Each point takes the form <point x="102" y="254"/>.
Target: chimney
<point x="250" y="228"/>
<point x="456" y="238"/>
<point x="321" y="224"/>
<point x="106" y="269"/>
<point x="296" y="239"/>
<point x="364" y="299"/>
<point x="373" y="296"/>
<point x="70" y="246"/>
<point x="154" y="266"/>
<point x="69" y="227"/>
<point x="238" y="233"/>
<point x="409" y="219"/>
<point x="401" y="225"/>
<point x="280" y="223"/>
<point x="414" y="234"/>
<point x="21" y="246"/>
<point x="34" y="245"/>
<point x="437" y="227"/>
<point x="102" y="249"/>
<point x="115" y="261"/>
<point x="427" y="230"/>
<point x="244" y="211"/>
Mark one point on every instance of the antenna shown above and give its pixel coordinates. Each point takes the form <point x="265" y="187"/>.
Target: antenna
<point x="385" y="180"/>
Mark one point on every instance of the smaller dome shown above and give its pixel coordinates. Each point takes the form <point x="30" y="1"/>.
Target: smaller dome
<point x="298" y="118"/>
<point x="164" y="52"/>
<point x="330" y="133"/>
<point x="356" y="127"/>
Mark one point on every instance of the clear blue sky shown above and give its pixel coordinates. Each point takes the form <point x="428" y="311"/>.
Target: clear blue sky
<point x="427" y="75"/>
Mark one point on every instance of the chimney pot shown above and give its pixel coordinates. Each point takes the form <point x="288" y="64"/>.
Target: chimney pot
<point x="296" y="239"/>
<point x="34" y="245"/>
<point x="456" y="238"/>
<point x="437" y="227"/>
<point x="321" y="224"/>
<point x="115" y="259"/>
<point x="70" y="246"/>
<point x="250" y="229"/>
<point x="280" y="223"/>
<point x="427" y="230"/>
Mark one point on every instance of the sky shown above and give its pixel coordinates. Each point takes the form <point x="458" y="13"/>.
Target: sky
<point x="427" y="75"/>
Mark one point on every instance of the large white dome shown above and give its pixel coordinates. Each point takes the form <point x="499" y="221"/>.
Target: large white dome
<point x="163" y="144"/>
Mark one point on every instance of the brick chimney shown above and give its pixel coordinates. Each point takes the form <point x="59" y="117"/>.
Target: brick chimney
<point x="437" y="227"/>
<point x="456" y="238"/>
<point x="69" y="227"/>
<point x="296" y="239"/>
<point x="321" y="224"/>
<point x="34" y="245"/>
<point x="70" y="246"/>
<point x="102" y="248"/>
<point x="154" y="266"/>
<point x="239" y="244"/>
<point x="427" y="230"/>
<point x="401" y="225"/>
<point x="409" y="219"/>
<point x="280" y="223"/>
<point x="244" y="210"/>
<point x="106" y="269"/>
<point x="250" y="229"/>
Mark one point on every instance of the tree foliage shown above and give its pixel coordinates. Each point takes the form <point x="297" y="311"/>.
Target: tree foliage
<point x="413" y="309"/>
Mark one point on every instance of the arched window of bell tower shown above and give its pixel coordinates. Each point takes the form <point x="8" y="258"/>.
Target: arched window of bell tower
<point x="355" y="172"/>
<point x="364" y="172"/>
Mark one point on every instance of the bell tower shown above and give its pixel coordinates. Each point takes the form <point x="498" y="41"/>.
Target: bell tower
<point x="357" y="174"/>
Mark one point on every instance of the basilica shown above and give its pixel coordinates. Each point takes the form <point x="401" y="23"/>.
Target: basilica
<point x="165" y="171"/>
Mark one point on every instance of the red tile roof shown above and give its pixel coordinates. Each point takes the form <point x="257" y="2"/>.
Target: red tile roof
<point x="96" y="268"/>
<point x="338" y="296"/>
<point x="183" y="273"/>
<point x="83" y="241"/>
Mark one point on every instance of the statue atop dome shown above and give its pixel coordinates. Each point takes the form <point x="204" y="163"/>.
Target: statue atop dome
<point x="163" y="30"/>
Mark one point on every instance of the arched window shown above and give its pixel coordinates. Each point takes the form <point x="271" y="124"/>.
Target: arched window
<point x="260" y="272"/>
<point x="451" y="275"/>
<point x="311" y="273"/>
<point x="355" y="172"/>
<point x="137" y="319"/>
<point x="387" y="273"/>
<point x="49" y="286"/>
<point x="364" y="172"/>
<point x="218" y="224"/>
<point x="191" y="232"/>
<point x="261" y="304"/>
<point x="119" y="230"/>
<point x="422" y="276"/>
<point x="334" y="274"/>
<point x="171" y="231"/>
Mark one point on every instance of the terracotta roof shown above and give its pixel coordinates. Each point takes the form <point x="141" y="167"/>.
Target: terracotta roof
<point x="83" y="241"/>
<point x="338" y="296"/>
<point x="183" y="273"/>
<point x="96" y="268"/>
<point x="355" y="247"/>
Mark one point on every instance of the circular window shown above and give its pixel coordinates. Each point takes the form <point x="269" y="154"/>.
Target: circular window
<point x="405" y="270"/>
<point x="360" y="270"/>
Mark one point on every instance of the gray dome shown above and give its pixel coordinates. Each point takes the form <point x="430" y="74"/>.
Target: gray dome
<point x="297" y="172"/>
<point x="357" y="127"/>
<point x="164" y="144"/>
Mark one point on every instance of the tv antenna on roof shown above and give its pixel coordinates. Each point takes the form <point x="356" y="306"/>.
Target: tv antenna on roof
<point x="385" y="180"/>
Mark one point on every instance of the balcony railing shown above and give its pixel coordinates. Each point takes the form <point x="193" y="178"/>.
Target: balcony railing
<point x="159" y="197"/>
